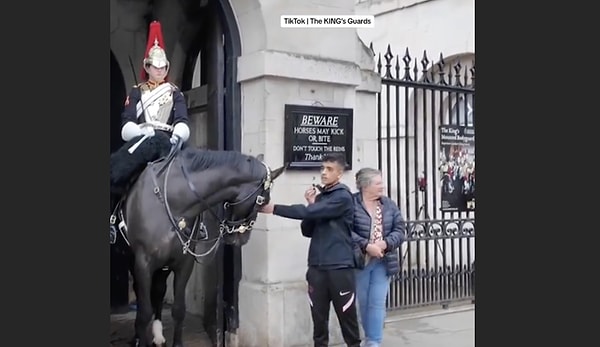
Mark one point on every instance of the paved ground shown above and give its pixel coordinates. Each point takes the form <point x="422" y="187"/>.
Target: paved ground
<point x="121" y="330"/>
<point x="449" y="328"/>
<point x="454" y="327"/>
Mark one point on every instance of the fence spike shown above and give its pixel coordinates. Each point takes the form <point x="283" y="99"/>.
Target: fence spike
<point x="407" y="59"/>
<point x="457" y="68"/>
<point x="425" y="65"/>
<point x="441" y="72"/>
<point x="416" y="71"/>
<point x="388" y="61"/>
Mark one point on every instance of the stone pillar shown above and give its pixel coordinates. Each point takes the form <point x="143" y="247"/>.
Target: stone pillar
<point x="295" y="66"/>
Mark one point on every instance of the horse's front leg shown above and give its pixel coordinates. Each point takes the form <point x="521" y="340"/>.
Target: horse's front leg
<point x="157" y="296"/>
<point x="135" y="341"/>
<point x="182" y="275"/>
<point x="143" y="282"/>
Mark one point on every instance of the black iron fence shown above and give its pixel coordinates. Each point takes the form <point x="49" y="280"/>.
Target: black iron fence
<point x="437" y="264"/>
<point x="426" y="152"/>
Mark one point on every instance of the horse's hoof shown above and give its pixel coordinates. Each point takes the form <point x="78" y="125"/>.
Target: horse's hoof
<point x="157" y="333"/>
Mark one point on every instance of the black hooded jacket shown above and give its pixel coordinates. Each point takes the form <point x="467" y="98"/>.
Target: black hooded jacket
<point x="329" y="223"/>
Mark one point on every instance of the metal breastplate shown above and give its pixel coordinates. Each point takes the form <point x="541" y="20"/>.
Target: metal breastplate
<point x="158" y="112"/>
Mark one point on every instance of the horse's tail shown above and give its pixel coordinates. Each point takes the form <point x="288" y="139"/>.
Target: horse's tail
<point x="157" y="333"/>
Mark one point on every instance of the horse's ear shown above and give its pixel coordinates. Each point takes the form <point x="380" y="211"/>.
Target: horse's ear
<point x="278" y="172"/>
<point x="260" y="157"/>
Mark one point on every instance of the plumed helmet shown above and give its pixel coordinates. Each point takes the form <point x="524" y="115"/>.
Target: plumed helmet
<point x="155" y="51"/>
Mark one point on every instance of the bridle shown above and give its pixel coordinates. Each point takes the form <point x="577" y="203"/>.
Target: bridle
<point x="241" y="225"/>
<point x="226" y="225"/>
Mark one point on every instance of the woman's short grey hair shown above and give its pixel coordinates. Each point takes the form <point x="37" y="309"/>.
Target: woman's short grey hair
<point x="364" y="177"/>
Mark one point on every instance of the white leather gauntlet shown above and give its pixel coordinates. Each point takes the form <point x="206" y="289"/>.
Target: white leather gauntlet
<point x="182" y="131"/>
<point x="130" y="130"/>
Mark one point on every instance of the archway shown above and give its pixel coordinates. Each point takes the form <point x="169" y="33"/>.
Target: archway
<point x="209" y="80"/>
<point x="195" y="27"/>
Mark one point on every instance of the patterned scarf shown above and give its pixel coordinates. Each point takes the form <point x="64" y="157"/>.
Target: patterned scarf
<point x="377" y="228"/>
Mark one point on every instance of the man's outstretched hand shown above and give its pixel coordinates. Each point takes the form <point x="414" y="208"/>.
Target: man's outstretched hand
<point x="267" y="209"/>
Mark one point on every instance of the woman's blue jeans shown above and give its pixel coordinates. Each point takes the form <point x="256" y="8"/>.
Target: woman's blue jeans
<point x="372" y="284"/>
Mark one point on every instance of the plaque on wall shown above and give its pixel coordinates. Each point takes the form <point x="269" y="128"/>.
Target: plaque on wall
<point x="311" y="131"/>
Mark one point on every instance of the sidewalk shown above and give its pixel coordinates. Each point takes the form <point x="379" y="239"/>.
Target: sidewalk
<point x="445" y="328"/>
<point x="454" y="327"/>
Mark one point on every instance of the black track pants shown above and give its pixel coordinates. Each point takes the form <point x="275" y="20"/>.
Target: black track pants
<point x="337" y="286"/>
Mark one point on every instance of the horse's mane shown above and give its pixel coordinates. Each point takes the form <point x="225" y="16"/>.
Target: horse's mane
<point x="202" y="159"/>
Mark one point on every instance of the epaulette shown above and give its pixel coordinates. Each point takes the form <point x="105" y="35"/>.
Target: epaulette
<point x="142" y="87"/>
<point x="173" y="85"/>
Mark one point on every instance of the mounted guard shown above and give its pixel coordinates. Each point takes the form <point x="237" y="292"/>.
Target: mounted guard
<point x="162" y="226"/>
<point x="154" y="117"/>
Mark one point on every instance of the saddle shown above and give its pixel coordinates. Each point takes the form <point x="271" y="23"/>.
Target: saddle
<point x="127" y="167"/>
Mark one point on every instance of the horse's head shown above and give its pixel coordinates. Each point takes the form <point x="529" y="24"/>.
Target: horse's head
<point x="242" y="211"/>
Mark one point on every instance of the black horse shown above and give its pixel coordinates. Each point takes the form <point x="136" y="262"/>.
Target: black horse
<point x="162" y="224"/>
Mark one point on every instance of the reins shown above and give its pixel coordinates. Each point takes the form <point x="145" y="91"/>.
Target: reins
<point x="226" y="226"/>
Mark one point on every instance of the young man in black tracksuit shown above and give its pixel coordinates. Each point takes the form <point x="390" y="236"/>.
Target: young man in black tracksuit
<point x="328" y="221"/>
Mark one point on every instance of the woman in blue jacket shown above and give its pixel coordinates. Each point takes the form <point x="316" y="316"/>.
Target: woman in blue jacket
<point x="378" y="233"/>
